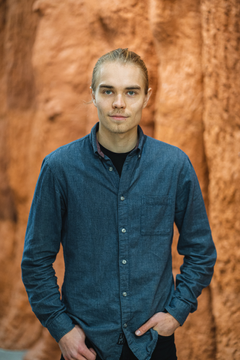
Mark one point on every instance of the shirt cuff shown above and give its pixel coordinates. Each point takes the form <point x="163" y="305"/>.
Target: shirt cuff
<point x="60" y="326"/>
<point x="178" y="309"/>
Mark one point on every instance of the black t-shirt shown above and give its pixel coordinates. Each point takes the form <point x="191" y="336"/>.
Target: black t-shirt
<point x="117" y="158"/>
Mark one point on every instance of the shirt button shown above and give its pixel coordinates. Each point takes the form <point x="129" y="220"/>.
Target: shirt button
<point x="122" y="198"/>
<point x="125" y="325"/>
<point x="124" y="293"/>
<point x="124" y="230"/>
<point x="111" y="168"/>
<point x="139" y="155"/>
<point x="124" y="262"/>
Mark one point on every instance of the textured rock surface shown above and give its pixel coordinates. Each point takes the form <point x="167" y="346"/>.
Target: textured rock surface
<point x="221" y="66"/>
<point x="47" y="52"/>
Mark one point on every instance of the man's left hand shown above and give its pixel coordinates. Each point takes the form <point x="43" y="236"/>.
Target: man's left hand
<point x="164" y="323"/>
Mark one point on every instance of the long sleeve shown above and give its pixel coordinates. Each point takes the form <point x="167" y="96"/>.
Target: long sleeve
<point x="195" y="244"/>
<point x="42" y="242"/>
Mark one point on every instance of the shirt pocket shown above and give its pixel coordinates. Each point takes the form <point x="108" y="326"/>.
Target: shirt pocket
<point x="156" y="215"/>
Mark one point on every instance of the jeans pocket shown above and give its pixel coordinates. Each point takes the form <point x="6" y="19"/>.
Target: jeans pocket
<point x="163" y="338"/>
<point x="165" y="348"/>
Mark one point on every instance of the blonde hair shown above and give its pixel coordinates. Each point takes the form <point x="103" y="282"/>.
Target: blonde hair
<point x="122" y="55"/>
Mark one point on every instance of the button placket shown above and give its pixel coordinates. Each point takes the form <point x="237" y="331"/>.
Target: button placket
<point x="113" y="176"/>
<point x="124" y="232"/>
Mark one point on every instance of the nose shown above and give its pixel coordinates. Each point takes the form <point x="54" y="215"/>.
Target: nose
<point x="119" y="102"/>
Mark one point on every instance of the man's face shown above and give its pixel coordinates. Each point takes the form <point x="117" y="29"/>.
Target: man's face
<point x="120" y="97"/>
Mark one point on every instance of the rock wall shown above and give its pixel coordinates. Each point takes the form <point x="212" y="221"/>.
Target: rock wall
<point x="221" y="117"/>
<point x="47" y="51"/>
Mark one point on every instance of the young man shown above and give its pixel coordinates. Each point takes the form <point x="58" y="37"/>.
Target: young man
<point x="111" y="199"/>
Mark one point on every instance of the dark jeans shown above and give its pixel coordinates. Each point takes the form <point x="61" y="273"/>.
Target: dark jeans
<point x="165" y="350"/>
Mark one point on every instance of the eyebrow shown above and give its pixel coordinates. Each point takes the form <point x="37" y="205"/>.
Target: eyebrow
<point x="133" y="87"/>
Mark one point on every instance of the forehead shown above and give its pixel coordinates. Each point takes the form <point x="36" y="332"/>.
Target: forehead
<point x="119" y="75"/>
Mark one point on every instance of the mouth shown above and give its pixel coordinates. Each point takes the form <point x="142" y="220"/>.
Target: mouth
<point x="118" y="117"/>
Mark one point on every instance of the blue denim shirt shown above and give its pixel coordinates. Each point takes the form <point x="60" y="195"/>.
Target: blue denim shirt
<point x="116" y="234"/>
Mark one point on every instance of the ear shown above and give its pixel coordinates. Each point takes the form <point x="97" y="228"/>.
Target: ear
<point x="147" y="97"/>
<point x="94" y="98"/>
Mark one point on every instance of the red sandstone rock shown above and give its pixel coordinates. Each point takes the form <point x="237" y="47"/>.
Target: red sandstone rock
<point x="221" y="66"/>
<point x="47" y="51"/>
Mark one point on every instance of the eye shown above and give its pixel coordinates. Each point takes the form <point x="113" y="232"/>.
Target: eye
<point x="108" y="92"/>
<point x="131" y="93"/>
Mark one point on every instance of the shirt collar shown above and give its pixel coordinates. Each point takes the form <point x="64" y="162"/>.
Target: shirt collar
<point x="96" y="146"/>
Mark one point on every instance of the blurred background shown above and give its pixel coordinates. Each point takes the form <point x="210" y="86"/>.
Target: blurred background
<point x="192" y="49"/>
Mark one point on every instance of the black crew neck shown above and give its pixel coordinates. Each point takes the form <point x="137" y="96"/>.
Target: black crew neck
<point x="118" y="159"/>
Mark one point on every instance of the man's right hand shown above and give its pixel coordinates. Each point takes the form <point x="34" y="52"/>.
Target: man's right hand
<point x="73" y="346"/>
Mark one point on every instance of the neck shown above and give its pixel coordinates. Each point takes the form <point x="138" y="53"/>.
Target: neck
<point x="117" y="142"/>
